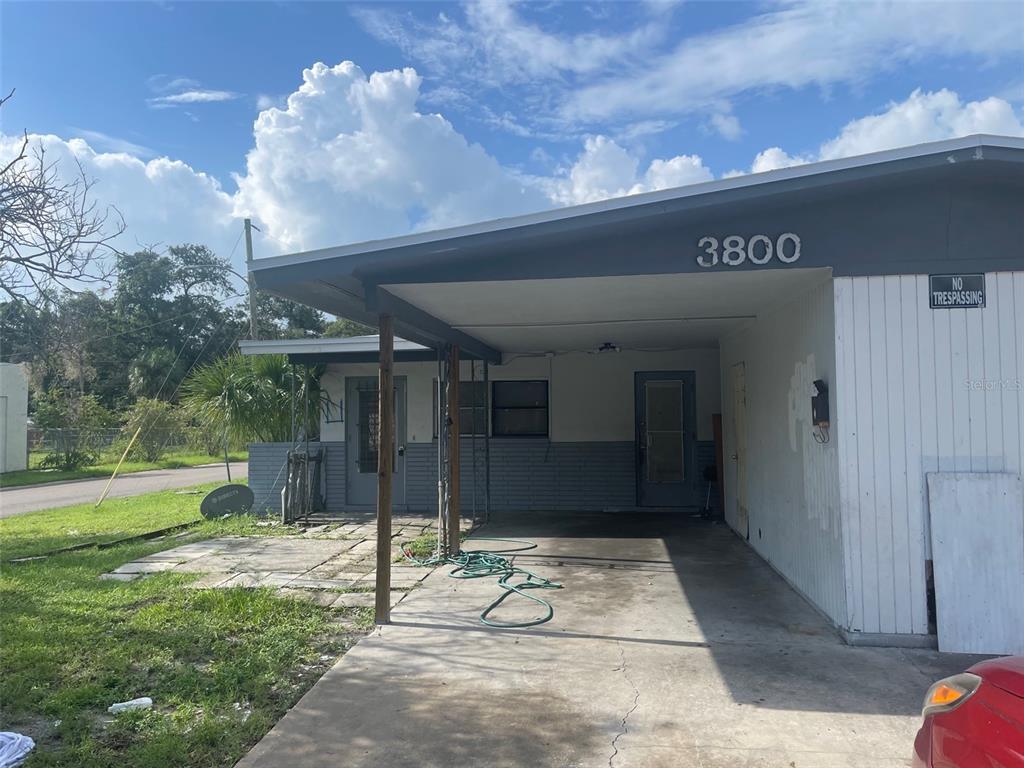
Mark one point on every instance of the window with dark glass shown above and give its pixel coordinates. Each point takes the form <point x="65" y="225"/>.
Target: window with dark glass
<point x="519" y="409"/>
<point x="472" y="408"/>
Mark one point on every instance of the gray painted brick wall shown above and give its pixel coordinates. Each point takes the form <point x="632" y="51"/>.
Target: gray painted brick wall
<point x="526" y="474"/>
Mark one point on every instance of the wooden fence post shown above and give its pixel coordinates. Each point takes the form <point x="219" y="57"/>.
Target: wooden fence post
<point x="385" y="462"/>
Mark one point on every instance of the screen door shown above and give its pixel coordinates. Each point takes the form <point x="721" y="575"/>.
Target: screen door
<point x="664" y="412"/>
<point x="361" y="415"/>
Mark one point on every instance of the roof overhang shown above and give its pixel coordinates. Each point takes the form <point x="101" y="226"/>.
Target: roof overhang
<point x="947" y="206"/>
<point x="352" y="349"/>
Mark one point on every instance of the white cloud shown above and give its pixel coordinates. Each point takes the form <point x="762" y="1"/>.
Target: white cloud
<point x="604" y="169"/>
<point x="797" y="44"/>
<point x="550" y="81"/>
<point x="504" y="45"/>
<point x="772" y="159"/>
<point x="163" y="201"/>
<point x="515" y="49"/>
<point x="728" y="126"/>
<point x="490" y="46"/>
<point x="195" y="96"/>
<point x="922" y="117"/>
<point x="266" y="101"/>
<point x="104" y="141"/>
<point x="350" y="158"/>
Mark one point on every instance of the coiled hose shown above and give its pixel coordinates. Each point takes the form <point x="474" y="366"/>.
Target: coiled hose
<point x="483" y="563"/>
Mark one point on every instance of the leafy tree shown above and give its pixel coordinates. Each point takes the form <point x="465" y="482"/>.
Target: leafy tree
<point x="343" y="327"/>
<point x="156" y="371"/>
<point x="278" y="318"/>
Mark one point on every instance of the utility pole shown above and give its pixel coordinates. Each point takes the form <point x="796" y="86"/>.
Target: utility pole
<point x="253" y="333"/>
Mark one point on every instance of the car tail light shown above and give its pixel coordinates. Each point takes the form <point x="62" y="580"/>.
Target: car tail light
<point x="950" y="693"/>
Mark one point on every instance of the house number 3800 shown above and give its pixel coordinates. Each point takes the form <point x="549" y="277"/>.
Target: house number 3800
<point x="759" y="249"/>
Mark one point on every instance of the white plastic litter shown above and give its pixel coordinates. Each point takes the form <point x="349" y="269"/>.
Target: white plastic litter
<point x="124" y="706"/>
<point x="14" y="748"/>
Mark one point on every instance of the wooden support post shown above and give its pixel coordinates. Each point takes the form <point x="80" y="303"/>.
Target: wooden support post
<point x="385" y="460"/>
<point x="453" y="453"/>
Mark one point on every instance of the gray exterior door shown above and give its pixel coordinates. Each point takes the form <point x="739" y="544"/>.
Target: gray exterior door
<point x="361" y="414"/>
<point x="665" y="415"/>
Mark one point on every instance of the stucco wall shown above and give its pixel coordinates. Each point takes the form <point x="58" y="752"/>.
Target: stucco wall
<point x="792" y="481"/>
<point x="590" y="396"/>
<point x="14" y="417"/>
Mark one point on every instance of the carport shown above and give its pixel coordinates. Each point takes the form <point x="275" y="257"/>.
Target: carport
<point x="672" y="645"/>
<point x="742" y="298"/>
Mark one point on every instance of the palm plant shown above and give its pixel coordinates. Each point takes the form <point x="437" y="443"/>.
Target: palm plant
<point x="250" y="398"/>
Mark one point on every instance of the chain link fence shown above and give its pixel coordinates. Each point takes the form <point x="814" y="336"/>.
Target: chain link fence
<point x="97" y="440"/>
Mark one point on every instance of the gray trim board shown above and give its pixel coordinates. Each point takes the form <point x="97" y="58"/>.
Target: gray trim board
<point x="382" y="301"/>
<point x="436" y="247"/>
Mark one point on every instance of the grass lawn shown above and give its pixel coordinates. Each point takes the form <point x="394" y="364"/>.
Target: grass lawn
<point x="35" y="475"/>
<point x="222" y="665"/>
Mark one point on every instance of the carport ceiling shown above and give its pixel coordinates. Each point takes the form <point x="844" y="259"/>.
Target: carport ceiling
<point x="633" y="312"/>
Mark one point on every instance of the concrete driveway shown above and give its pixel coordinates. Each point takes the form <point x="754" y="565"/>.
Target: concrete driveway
<point x="31" y="498"/>
<point x="672" y="645"/>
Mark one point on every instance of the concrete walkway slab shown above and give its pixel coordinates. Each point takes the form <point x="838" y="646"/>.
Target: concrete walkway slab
<point x="672" y="646"/>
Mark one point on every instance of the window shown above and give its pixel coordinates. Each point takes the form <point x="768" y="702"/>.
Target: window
<point x="519" y="409"/>
<point x="472" y="408"/>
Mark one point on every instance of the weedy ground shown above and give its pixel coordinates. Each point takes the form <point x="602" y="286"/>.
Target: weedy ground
<point x="222" y="665"/>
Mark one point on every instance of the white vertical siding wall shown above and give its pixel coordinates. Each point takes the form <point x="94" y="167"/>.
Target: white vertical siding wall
<point x="918" y="390"/>
<point x="792" y="480"/>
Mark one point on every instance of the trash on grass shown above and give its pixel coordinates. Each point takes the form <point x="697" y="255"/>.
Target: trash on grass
<point x="143" y="702"/>
<point x="14" y="748"/>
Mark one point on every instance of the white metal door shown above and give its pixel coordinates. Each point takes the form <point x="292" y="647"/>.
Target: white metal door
<point x="977" y="523"/>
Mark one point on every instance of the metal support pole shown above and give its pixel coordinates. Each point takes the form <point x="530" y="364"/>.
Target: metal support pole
<point x="385" y="460"/>
<point x="472" y="430"/>
<point x="306" y="497"/>
<point x="227" y="461"/>
<point x="487" y="445"/>
<point x="291" y="367"/>
<point x="442" y="449"/>
<point x="454" y="431"/>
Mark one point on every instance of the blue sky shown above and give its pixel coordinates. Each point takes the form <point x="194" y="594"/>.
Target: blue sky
<point x="543" y="104"/>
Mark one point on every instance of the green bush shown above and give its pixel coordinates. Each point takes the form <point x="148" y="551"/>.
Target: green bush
<point x="207" y="439"/>
<point x="159" y="424"/>
<point x="75" y="426"/>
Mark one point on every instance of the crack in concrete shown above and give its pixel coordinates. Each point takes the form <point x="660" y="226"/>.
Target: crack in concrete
<point x="623" y="727"/>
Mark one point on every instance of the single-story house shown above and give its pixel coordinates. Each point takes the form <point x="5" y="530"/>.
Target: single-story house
<point x="844" y="340"/>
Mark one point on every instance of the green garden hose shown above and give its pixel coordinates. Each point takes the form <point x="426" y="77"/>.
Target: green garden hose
<point x="481" y="563"/>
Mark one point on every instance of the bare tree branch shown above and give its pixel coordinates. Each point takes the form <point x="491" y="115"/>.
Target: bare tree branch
<point x="53" y="234"/>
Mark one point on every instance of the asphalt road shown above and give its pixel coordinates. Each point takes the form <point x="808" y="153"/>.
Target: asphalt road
<point x="30" y="498"/>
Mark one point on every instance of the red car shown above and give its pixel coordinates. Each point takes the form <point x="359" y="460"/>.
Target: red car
<point x="975" y="719"/>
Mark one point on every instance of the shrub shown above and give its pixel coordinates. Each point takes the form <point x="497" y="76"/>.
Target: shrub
<point x="207" y="439"/>
<point x="75" y="425"/>
<point x="159" y="424"/>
